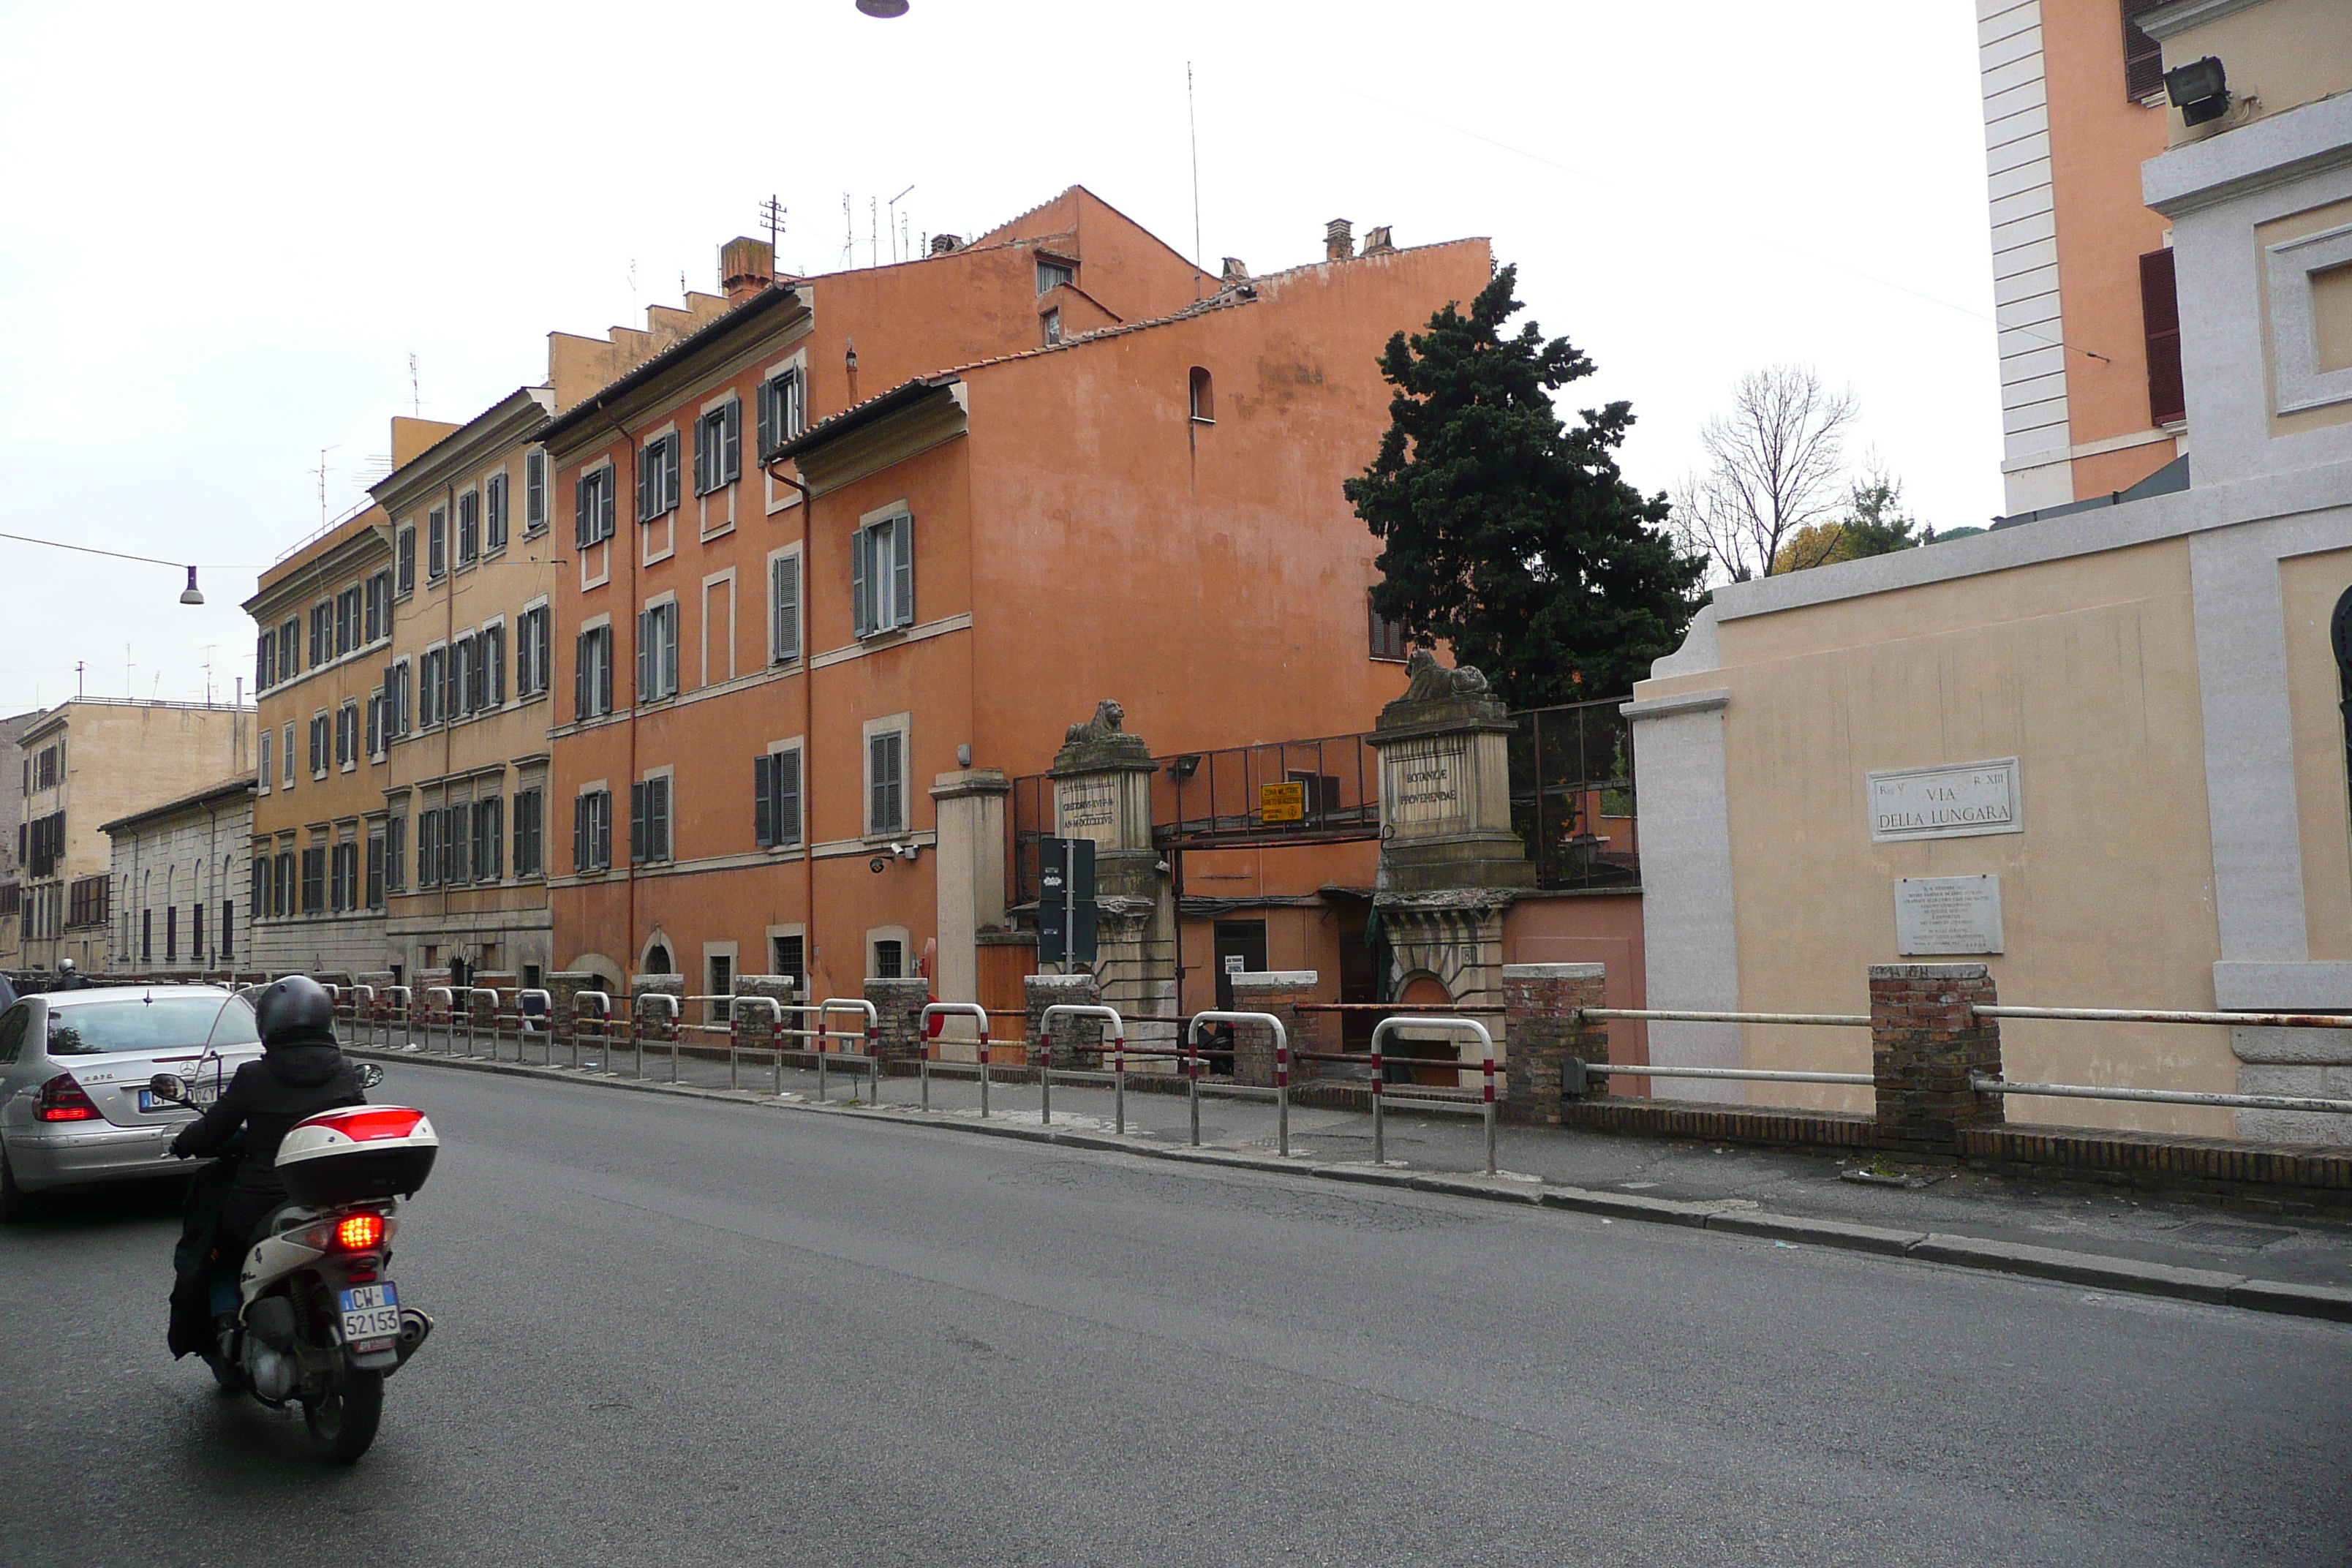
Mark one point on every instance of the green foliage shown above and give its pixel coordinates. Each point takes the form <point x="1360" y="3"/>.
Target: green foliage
<point x="1509" y="533"/>
<point x="1875" y="522"/>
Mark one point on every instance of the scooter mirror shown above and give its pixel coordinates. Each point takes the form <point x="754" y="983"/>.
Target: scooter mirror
<point x="371" y="1075"/>
<point x="168" y="1085"/>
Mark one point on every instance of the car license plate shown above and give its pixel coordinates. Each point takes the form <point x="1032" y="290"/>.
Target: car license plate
<point x="201" y="1095"/>
<point x="370" y="1312"/>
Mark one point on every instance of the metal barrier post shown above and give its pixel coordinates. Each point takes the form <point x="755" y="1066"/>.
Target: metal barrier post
<point x="547" y="1003"/>
<point x="1118" y="1050"/>
<point x="604" y="1027"/>
<point x="447" y="1012"/>
<point x="366" y="998"/>
<point x="1456" y="1025"/>
<point x="941" y="1010"/>
<point x="1192" y="1081"/>
<point x="471" y="993"/>
<point x="832" y="1005"/>
<point x="1281" y="1073"/>
<point x="1380" y="1127"/>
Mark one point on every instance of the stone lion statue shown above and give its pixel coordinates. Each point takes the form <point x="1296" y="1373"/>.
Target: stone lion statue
<point x="1106" y="725"/>
<point x="1430" y="681"/>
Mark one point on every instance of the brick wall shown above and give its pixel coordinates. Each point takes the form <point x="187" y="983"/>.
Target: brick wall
<point x="1540" y="1016"/>
<point x="1924" y="1043"/>
<point x="900" y="1005"/>
<point x="1071" y="1036"/>
<point x="1278" y="993"/>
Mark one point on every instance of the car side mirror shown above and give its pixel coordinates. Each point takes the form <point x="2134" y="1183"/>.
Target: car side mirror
<point x="168" y="1085"/>
<point x="371" y="1075"/>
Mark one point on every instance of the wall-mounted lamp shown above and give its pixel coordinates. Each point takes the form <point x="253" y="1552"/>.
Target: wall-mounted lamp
<point x="850" y="359"/>
<point x="2200" y="90"/>
<point x="884" y="8"/>
<point x="1185" y="766"/>
<point x="192" y="594"/>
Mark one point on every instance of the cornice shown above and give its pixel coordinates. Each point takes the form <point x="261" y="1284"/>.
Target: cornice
<point x="511" y="422"/>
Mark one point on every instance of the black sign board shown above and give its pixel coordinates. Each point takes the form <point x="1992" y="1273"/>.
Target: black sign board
<point x="1066" y="902"/>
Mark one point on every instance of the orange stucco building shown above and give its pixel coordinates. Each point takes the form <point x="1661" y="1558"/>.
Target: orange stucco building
<point x="857" y="553"/>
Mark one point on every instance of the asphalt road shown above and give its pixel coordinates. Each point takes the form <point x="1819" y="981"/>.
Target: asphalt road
<point x="687" y="1333"/>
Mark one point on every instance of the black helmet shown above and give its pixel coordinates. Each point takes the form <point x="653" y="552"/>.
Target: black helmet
<point x="294" y="1011"/>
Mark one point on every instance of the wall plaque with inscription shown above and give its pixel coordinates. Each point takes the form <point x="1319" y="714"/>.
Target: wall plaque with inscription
<point x="1423" y="785"/>
<point x="1943" y="915"/>
<point x="1958" y="800"/>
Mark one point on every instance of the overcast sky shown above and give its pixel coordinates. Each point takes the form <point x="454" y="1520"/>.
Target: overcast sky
<point x="224" y="231"/>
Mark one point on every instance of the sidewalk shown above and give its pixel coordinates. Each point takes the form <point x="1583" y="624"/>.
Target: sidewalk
<point x="1952" y="1208"/>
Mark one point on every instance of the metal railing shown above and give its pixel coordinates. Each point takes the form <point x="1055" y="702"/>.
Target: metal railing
<point x="1379" y="1090"/>
<point x="870" y="1059"/>
<point x="942" y="1011"/>
<point x="1574" y="1071"/>
<point x="1983" y="1084"/>
<point x="1280" y="1091"/>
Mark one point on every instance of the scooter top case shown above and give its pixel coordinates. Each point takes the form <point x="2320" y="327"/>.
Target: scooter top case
<point x="356" y="1153"/>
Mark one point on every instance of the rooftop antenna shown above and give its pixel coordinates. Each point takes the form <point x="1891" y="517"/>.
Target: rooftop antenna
<point x="771" y="214"/>
<point x="1192" y="124"/>
<point x="848" y="233"/>
<point x="415" y="395"/>
<point x="208" y="672"/>
<point x="321" y="469"/>
<point x="893" y="221"/>
<point x="77" y="684"/>
<point x="873" y="232"/>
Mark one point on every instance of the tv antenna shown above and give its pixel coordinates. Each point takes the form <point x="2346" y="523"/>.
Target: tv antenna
<point x="321" y="469"/>
<point x="1192" y="124"/>
<point x="894" y="221"/>
<point x="848" y="233"/>
<point x="415" y="394"/>
<point x="772" y="217"/>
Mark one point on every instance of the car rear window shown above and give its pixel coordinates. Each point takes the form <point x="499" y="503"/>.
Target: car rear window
<point x="157" y="1023"/>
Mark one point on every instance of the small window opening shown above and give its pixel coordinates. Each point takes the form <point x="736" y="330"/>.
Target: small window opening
<point x="1204" y="397"/>
<point x="1052" y="323"/>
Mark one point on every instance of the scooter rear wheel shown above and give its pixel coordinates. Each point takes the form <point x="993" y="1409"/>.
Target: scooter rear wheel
<point x="342" y="1421"/>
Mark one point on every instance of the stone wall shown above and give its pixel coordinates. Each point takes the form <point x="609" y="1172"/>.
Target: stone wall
<point x="1540" y="1003"/>
<point x="1925" y="1043"/>
<point x="1277" y="992"/>
<point x="1071" y="1036"/>
<point x="899" y="1004"/>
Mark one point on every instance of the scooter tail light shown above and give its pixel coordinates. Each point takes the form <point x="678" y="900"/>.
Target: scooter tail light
<point x="359" y="1232"/>
<point x="63" y="1100"/>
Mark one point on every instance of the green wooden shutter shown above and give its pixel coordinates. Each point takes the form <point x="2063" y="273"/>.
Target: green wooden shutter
<point x="763" y="819"/>
<point x="784" y="768"/>
<point x="902" y="587"/>
<point x="731" y="451"/>
<point x="861" y="581"/>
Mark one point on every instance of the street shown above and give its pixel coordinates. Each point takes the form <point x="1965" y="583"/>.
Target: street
<point x="692" y="1332"/>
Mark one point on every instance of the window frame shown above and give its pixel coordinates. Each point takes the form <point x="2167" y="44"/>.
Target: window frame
<point x="898" y="730"/>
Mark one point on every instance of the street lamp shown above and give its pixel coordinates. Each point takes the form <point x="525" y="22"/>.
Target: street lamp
<point x="192" y="594"/>
<point x="885" y="8"/>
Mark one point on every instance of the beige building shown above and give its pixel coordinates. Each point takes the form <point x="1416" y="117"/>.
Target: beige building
<point x="2102" y="752"/>
<point x="324" y="611"/>
<point x="86" y="763"/>
<point x="182" y="871"/>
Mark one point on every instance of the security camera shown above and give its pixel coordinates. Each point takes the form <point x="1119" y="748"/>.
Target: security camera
<point x="906" y="851"/>
<point x="879" y="864"/>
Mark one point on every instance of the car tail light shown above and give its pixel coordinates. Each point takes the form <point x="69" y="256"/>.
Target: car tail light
<point x="63" y="1100"/>
<point x="359" y="1232"/>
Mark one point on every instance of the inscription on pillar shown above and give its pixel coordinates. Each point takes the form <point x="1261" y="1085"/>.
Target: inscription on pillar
<point x="1424" y="783"/>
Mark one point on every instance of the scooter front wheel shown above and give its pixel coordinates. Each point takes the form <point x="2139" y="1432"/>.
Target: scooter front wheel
<point x="342" y="1420"/>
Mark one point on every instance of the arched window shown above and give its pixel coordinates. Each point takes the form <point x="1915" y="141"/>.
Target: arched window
<point x="657" y="959"/>
<point x="1204" y="397"/>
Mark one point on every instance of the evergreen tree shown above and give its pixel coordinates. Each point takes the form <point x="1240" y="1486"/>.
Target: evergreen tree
<point x="1509" y="533"/>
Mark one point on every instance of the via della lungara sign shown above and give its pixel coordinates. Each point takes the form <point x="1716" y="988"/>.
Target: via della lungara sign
<point x="1959" y="800"/>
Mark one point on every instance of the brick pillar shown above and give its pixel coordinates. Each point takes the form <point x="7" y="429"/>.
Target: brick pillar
<point x="506" y="983"/>
<point x="1279" y="992"/>
<point x="900" y="1003"/>
<point x="563" y="988"/>
<point x="1539" y="1021"/>
<point x="1070" y="1035"/>
<point x="1924" y="1044"/>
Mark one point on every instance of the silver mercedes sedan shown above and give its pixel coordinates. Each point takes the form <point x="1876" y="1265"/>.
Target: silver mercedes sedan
<point x="74" y="1067"/>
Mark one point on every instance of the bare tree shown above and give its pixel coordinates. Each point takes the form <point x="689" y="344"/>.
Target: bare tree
<point x="1775" y="466"/>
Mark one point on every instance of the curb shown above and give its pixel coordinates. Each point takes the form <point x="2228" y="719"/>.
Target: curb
<point x="2122" y="1275"/>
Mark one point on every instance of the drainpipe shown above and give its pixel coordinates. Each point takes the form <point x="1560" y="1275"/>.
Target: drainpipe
<point x="808" y="735"/>
<point x="448" y="665"/>
<point x="629" y="874"/>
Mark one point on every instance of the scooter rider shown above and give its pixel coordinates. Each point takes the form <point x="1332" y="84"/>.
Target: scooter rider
<point x="69" y="978"/>
<point x="302" y="1072"/>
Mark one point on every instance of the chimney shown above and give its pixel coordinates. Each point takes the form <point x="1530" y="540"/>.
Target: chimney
<point x="1377" y="243"/>
<point x="745" y="267"/>
<point x="1338" y="239"/>
<point x="946" y="244"/>
<point x="1237" y="270"/>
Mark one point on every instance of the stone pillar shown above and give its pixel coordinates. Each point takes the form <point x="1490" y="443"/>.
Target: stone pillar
<point x="505" y="982"/>
<point x="1070" y="1035"/>
<point x="563" y="988"/>
<point x="1102" y="791"/>
<point x="1445" y="785"/>
<point x="1278" y="992"/>
<point x="1540" y="1019"/>
<point x="969" y="810"/>
<point x="646" y="1018"/>
<point x="899" y="1004"/>
<point x="1924" y="1043"/>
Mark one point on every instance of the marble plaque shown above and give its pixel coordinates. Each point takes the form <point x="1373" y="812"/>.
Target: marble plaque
<point x="1938" y="916"/>
<point x="1426" y="784"/>
<point x="1959" y="800"/>
<point x="1087" y="807"/>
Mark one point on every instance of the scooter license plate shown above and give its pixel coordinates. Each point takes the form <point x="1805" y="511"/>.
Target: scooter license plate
<point x="370" y="1312"/>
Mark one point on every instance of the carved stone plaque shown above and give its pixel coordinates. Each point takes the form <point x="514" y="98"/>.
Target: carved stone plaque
<point x="1960" y="800"/>
<point x="1944" y="915"/>
<point x="1426" y="784"/>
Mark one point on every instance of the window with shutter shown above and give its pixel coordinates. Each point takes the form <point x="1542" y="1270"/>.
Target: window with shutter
<point x="493" y="667"/>
<point x="884" y="806"/>
<point x="705" y="454"/>
<point x="436" y="543"/>
<point x="374" y="872"/>
<point x="469" y="527"/>
<point x="289" y="649"/>
<point x="608" y="492"/>
<point x="456" y="863"/>
<point x="534" y="489"/>
<point x="2143" y="56"/>
<point x="768" y="438"/>
<point x="263" y="760"/>
<point x="404" y="558"/>
<point x="763" y="804"/>
<point x="580" y="839"/>
<point x="494" y="512"/>
<point x="784" y="768"/>
<point x="861" y="581"/>
<point x="530" y="809"/>
<point x="658" y="818"/>
<point x="637" y="823"/>
<point x="784" y="597"/>
<point x="730" y="442"/>
<point x="670" y="464"/>
<point x="902" y="572"/>
<point x="395" y="851"/>
<point x="583" y="514"/>
<point x="2159" y="308"/>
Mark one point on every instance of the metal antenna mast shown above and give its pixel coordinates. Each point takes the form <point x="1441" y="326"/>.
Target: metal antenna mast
<point x="1192" y="123"/>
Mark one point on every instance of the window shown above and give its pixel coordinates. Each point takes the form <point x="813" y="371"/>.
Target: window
<point x="592" y="831"/>
<point x="395" y="849"/>
<point x="428" y="686"/>
<point x="375" y="864"/>
<point x="592" y="674"/>
<point x="530" y="652"/>
<point x="2160" y="312"/>
<point x="457" y="844"/>
<point x="397" y="704"/>
<point x="265" y="661"/>
<point x="286" y="881"/>
<point x="171" y="934"/>
<point x="657" y="652"/>
<point x="776" y="797"/>
<point x="314" y="879"/>
<point x="285" y="754"/>
<point x="375" y="722"/>
<point x="882" y="576"/>
<point x="722" y="983"/>
<point x="466" y="692"/>
<point x="1052" y="275"/>
<point x="322" y="743"/>
<point x="889" y="958"/>
<point x="86" y="902"/>
<point x="428" y="848"/>
<point x="262" y="756"/>
<point x="886" y="782"/>
<point x="783" y="410"/>
<point x="493" y="666"/>
<point x="657" y="478"/>
<point x="2143" y="56"/>
<point x="347" y="735"/>
<point x="403" y="554"/>
<point x="592" y="507"/>
<point x="786" y="955"/>
<point x="146" y="936"/>
<point x="436" y="546"/>
<point x="718" y="447"/>
<point x="197" y="933"/>
<point x="2339" y="638"/>
<point x="290" y="650"/>
<point x="1204" y="397"/>
<point x="529" y="808"/>
<point x="494" y="513"/>
<point x="343" y="864"/>
<point x="228" y="928"/>
<point x="1050" y="328"/>
<point x="534" y="489"/>
<point x="489" y="844"/>
<point x="649" y="820"/>
<point x="784" y="609"/>
<point x="1387" y="636"/>
<point x="469" y="527"/>
<point x="347" y="620"/>
<point x="322" y="632"/>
